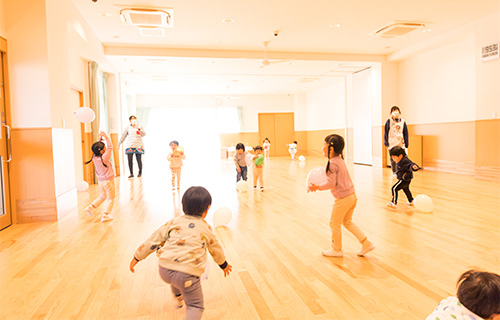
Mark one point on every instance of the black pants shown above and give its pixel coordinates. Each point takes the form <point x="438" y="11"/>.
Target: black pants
<point x="242" y="174"/>
<point x="131" y="163"/>
<point x="401" y="184"/>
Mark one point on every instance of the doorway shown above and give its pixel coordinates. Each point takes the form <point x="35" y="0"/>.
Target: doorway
<point x="5" y="143"/>
<point x="362" y="117"/>
<point x="279" y="129"/>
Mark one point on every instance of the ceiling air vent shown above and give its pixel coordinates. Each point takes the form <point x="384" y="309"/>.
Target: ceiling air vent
<point x="398" y="28"/>
<point x="151" y="32"/>
<point x="148" y="17"/>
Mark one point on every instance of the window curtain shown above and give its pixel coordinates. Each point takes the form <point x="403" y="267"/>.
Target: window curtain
<point x="143" y="116"/>
<point x="240" y="117"/>
<point x="95" y="101"/>
<point x="104" y="123"/>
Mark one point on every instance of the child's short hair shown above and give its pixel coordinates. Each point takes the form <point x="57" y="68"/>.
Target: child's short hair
<point x="132" y="117"/>
<point x="174" y="142"/>
<point x="397" y="151"/>
<point x="258" y="148"/>
<point x="240" y="146"/>
<point x="195" y="201"/>
<point x="479" y="292"/>
<point x="295" y="142"/>
<point x="395" y="108"/>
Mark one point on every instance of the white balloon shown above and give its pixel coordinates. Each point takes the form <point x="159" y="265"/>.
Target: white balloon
<point x="302" y="158"/>
<point x="222" y="216"/>
<point x="242" y="186"/>
<point x="85" y="114"/>
<point x="82" y="186"/>
<point x="423" y="203"/>
<point x="317" y="176"/>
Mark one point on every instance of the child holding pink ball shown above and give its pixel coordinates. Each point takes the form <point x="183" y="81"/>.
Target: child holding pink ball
<point x="340" y="185"/>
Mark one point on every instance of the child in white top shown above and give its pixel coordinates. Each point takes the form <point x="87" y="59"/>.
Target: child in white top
<point x="478" y="298"/>
<point x="181" y="246"/>
<point x="267" y="147"/>
<point x="175" y="157"/>
<point x="292" y="149"/>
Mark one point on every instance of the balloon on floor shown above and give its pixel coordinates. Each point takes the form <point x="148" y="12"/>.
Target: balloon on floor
<point x="85" y="114"/>
<point x="242" y="186"/>
<point x="222" y="216"/>
<point x="317" y="176"/>
<point x="302" y="158"/>
<point x="423" y="203"/>
<point x="82" y="186"/>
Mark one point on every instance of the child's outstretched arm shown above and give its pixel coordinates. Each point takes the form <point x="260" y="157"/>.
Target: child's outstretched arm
<point x="217" y="253"/>
<point x="150" y="245"/>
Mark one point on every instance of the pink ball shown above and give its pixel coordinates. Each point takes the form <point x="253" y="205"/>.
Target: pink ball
<point x="317" y="176"/>
<point x="248" y="158"/>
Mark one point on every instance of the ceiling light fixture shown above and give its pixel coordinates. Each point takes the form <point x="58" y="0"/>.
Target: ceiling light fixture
<point x="335" y="25"/>
<point x="227" y="20"/>
<point x="104" y="14"/>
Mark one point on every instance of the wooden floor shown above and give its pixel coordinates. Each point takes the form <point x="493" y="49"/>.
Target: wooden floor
<point x="77" y="268"/>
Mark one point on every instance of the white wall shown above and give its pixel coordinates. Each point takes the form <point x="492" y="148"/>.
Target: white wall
<point x="439" y="85"/>
<point x="252" y="105"/>
<point x="326" y="107"/>
<point x="3" y="23"/>
<point x="487" y="73"/>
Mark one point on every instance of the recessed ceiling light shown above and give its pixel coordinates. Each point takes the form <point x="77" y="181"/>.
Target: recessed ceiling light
<point x="387" y="47"/>
<point x="227" y="20"/>
<point x="117" y="37"/>
<point x="427" y="30"/>
<point x="104" y="14"/>
<point x="213" y="61"/>
<point x="337" y="25"/>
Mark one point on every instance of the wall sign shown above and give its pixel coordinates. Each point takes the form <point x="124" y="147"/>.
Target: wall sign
<point x="490" y="52"/>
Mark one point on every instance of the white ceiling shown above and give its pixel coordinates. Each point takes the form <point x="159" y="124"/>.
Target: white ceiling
<point x="304" y="27"/>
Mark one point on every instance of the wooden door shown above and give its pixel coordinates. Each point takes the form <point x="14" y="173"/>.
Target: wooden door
<point x="279" y="129"/>
<point x="5" y="146"/>
<point x="266" y="130"/>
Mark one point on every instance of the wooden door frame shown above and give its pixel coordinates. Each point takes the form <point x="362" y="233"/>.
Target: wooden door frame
<point x="86" y="143"/>
<point x="9" y="197"/>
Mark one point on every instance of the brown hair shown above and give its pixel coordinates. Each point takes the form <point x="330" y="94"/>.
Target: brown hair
<point x="479" y="291"/>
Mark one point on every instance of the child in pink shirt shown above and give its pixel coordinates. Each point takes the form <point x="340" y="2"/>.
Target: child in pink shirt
<point x="340" y="185"/>
<point x="105" y="177"/>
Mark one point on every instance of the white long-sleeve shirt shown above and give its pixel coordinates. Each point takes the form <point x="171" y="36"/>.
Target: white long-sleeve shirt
<point x="184" y="241"/>
<point x="451" y="309"/>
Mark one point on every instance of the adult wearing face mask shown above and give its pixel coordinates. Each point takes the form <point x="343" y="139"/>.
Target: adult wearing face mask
<point x="396" y="133"/>
<point x="133" y="135"/>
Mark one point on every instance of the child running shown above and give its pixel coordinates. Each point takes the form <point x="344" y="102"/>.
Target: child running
<point x="175" y="157"/>
<point x="404" y="173"/>
<point x="181" y="246"/>
<point x="478" y="298"/>
<point x="292" y="149"/>
<point x="240" y="163"/>
<point x="258" y="165"/>
<point x="340" y="185"/>
<point x="105" y="177"/>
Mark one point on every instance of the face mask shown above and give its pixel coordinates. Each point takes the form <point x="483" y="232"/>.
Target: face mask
<point x="395" y="114"/>
<point x="133" y="121"/>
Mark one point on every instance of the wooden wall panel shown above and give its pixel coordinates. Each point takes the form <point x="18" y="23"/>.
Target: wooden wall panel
<point x="488" y="150"/>
<point x="33" y="175"/>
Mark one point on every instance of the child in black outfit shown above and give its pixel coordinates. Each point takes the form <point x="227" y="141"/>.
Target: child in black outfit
<point x="404" y="173"/>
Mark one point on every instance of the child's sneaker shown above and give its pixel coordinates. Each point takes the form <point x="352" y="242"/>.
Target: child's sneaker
<point x="367" y="247"/>
<point x="261" y="189"/>
<point x="392" y="205"/>
<point x="106" y="217"/>
<point x="90" y="211"/>
<point x="332" y="253"/>
<point x="255" y="188"/>
<point x="409" y="203"/>
<point x="131" y="176"/>
<point x="180" y="301"/>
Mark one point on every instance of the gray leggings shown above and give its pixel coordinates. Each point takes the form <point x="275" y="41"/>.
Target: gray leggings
<point x="190" y="288"/>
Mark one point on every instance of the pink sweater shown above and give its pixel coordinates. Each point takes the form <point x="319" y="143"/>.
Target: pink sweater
<point x="104" y="173"/>
<point x="338" y="179"/>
